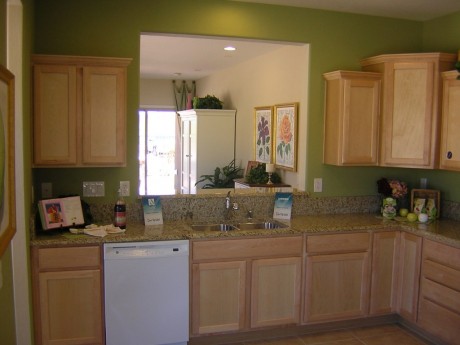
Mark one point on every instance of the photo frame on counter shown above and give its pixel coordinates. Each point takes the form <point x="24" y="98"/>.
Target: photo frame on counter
<point x="263" y="134"/>
<point x="285" y="150"/>
<point x="7" y="179"/>
<point x="425" y="198"/>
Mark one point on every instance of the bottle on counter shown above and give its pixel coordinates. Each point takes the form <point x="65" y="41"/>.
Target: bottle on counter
<point x="120" y="212"/>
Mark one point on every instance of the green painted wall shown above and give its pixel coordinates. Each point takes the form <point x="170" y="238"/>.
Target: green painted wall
<point x="338" y="41"/>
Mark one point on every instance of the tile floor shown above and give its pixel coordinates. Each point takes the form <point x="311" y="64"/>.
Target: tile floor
<point x="377" y="335"/>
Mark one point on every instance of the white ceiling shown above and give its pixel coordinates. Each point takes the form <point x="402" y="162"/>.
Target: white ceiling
<point x="192" y="57"/>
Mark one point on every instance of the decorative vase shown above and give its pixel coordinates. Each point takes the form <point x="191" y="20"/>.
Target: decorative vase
<point x="389" y="206"/>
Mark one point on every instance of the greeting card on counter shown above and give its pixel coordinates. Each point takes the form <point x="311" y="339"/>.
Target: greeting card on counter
<point x="283" y="206"/>
<point x="62" y="212"/>
<point x="153" y="213"/>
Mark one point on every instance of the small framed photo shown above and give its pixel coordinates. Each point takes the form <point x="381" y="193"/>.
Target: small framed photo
<point x="426" y="200"/>
<point x="286" y="136"/>
<point x="251" y="165"/>
<point x="263" y="134"/>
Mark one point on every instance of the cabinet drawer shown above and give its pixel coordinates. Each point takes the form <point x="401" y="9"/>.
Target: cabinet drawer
<point x="69" y="257"/>
<point x="441" y="274"/>
<point x="247" y="248"/>
<point x="440" y="294"/>
<point x="356" y="242"/>
<point x="439" y="321"/>
<point x="444" y="254"/>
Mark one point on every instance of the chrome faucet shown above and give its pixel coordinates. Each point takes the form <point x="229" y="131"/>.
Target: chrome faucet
<point x="229" y="206"/>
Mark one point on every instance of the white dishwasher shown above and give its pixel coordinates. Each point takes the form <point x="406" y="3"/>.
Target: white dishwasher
<point x="146" y="293"/>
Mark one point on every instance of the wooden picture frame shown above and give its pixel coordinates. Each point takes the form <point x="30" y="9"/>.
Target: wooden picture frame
<point x="285" y="150"/>
<point x="7" y="178"/>
<point x="426" y="194"/>
<point x="251" y="165"/>
<point x="263" y="134"/>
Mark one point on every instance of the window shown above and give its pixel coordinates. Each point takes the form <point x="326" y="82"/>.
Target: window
<point x="157" y="145"/>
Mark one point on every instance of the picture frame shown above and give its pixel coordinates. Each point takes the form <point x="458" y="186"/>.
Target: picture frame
<point x="251" y="165"/>
<point x="263" y="134"/>
<point x="425" y="194"/>
<point x="285" y="145"/>
<point x="7" y="160"/>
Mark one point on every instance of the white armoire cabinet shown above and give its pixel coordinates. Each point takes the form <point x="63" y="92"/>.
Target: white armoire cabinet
<point x="207" y="142"/>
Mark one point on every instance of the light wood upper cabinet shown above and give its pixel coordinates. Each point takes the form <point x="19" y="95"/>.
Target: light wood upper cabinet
<point x="337" y="277"/>
<point x="67" y="295"/>
<point x="79" y="111"/>
<point x="411" y="107"/>
<point x="351" y="118"/>
<point x="450" y="143"/>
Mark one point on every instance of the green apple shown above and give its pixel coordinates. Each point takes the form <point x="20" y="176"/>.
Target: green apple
<point x="403" y="212"/>
<point x="412" y="217"/>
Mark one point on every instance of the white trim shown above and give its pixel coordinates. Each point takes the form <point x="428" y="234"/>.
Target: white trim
<point x="19" y="244"/>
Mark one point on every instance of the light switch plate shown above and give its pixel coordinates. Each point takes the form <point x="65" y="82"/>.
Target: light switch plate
<point x="47" y="190"/>
<point x="124" y="188"/>
<point x="93" y="189"/>
<point x="318" y="185"/>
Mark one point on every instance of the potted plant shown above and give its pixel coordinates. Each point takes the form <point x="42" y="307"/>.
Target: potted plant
<point x="222" y="177"/>
<point x="258" y="175"/>
<point x="208" y="102"/>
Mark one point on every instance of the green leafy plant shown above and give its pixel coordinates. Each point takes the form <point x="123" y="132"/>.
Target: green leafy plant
<point x="258" y="175"/>
<point x="222" y="177"/>
<point x="208" y="102"/>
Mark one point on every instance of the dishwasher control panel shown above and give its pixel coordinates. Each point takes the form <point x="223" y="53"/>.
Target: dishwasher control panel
<point x="145" y="249"/>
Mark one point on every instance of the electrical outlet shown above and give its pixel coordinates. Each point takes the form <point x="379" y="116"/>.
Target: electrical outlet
<point x="318" y="185"/>
<point x="92" y="189"/>
<point x="47" y="190"/>
<point x="124" y="188"/>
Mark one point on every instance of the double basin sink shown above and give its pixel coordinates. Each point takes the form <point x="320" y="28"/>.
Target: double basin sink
<point x="252" y="225"/>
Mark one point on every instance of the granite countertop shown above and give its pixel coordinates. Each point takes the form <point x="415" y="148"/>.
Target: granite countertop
<point x="446" y="231"/>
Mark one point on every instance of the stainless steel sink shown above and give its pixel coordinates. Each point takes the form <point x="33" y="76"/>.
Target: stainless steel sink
<point x="272" y="224"/>
<point x="214" y="227"/>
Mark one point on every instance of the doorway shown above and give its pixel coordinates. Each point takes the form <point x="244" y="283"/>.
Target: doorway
<point x="157" y="146"/>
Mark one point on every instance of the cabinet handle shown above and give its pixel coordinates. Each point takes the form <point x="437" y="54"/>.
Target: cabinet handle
<point x="449" y="155"/>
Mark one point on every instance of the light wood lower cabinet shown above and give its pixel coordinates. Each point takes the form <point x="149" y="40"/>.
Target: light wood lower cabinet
<point x="240" y="284"/>
<point x="275" y="291"/>
<point x="384" y="279"/>
<point x="409" y="275"/>
<point x="439" y="305"/>
<point x="337" y="277"/>
<point x="67" y="291"/>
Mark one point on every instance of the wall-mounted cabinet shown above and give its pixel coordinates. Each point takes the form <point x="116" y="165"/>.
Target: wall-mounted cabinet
<point x="351" y="118"/>
<point x="411" y="107"/>
<point x="450" y="144"/>
<point x="79" y="111"/>
<point x="207" y="142"/>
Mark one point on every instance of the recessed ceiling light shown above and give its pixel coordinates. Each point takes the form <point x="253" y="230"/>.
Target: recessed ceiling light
<point x="229" y="48"/>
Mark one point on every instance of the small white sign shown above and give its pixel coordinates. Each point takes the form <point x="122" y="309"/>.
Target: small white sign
<point x="283" y="206"/>
<point x="153" y="213"/>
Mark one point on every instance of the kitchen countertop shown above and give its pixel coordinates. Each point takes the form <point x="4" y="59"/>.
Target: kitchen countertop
<point x="445" y="231"/>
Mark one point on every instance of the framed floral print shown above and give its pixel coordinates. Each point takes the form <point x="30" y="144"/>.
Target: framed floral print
<point x="286" y="136"/>
<point x="7" y="185"/>
<point x="263" y="117"/>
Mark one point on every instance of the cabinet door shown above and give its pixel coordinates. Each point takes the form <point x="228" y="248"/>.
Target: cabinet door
<point x="351" y="118"/>
<point x="275" y="291"/>
<point x="385" y="257"/>
<point x="450" y="145"/>
<point x="409" y="119"/>
<point x="218" y="296"/>
<point x="409" y="275"/>
<point x="103" y="116"/>
<point x="337" y="286"/>
<point x="70" y="307"/>
<point x="55" y="115"/>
